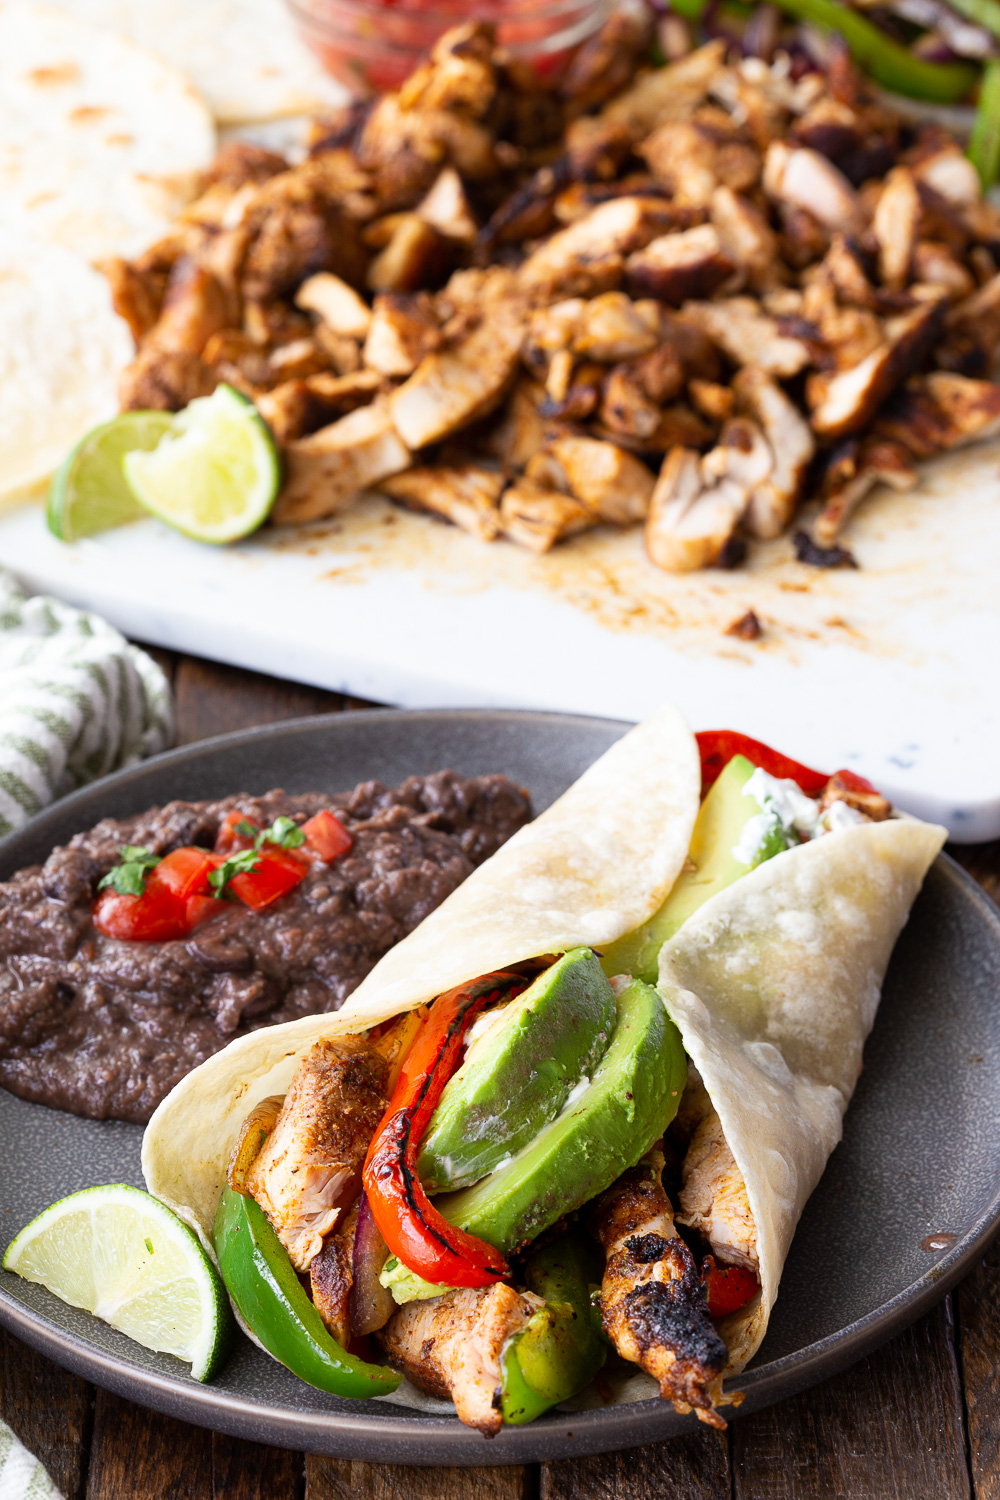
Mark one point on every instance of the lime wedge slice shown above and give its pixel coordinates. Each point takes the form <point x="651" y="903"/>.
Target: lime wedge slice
<point x="127" y="1259"/>
<point x="89" y="492"/>
<point x="216" y="473"/>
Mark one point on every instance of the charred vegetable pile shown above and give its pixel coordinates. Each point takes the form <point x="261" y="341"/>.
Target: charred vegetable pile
<point x="686" y="297"/>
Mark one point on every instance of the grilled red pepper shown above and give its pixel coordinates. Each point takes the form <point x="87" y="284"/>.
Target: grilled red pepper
<point x="718" y="746"/>
<point x="410" y="1225"/>
<point x="727" y="1288"/>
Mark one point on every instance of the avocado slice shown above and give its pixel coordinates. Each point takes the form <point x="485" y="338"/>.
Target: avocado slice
<point x="519" y="1075"/>
<point x="631" y="1099"/>
<point x="720" y="830"/>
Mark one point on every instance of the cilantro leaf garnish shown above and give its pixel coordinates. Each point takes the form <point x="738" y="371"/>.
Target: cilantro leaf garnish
<point x="243" y="862"/>
<point x="284" y="832"/>
<point x="128" y="877"/>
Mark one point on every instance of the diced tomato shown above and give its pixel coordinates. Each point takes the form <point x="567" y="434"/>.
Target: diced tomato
<point x="727" y="1287"/>
<point x="228" y="840"/>
<point x="184" y="872"/>
<point x="277" y="873"/>
<point x="198" y="909"/>
<point x="326" y="836"/>
<point x="156" y="916"/>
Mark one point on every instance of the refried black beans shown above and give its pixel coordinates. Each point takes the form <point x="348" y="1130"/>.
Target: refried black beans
<point x="106" y="1028"/>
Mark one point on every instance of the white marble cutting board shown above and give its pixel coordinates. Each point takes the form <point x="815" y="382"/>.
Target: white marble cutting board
<point x="893" y="670"/>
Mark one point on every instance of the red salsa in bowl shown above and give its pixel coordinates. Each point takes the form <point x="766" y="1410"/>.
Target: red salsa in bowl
<point x="374" y="45"/>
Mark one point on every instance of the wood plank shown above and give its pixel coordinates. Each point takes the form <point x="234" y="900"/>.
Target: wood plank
<point x="978" y="1300"/>
<point x="692" y="1467"/>
<point x="249" y="1471"/>
<point x="215" y="699"/>
<point x="892" y="1426"/>
<point x="48" y="1409"/>
<point x="137" y="1453"/>
<point x="339" y="1479"/>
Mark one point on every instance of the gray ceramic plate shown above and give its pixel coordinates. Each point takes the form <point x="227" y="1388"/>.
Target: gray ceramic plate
<point x="920" y="1156"/>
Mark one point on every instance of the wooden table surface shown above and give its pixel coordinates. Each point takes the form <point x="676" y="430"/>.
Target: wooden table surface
<point x="919" y="1419"/>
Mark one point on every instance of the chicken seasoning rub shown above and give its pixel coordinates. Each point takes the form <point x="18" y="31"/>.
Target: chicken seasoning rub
<point x="684" y="297"/>
<point x="105" y="1027"/>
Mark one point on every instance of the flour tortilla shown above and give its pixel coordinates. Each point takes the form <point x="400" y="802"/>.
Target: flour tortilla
<point x="62" y="348"/>
<point x="773" y="985"/>
<point x="244" y="57"/>
<point x="592" y="867"/>
<point x="100" y="141"/>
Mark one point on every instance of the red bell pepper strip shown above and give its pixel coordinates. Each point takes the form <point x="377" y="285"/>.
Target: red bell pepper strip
<point x="326" y="836"/>
<point x="718" y="746"/>
<point x="727" y="1288"/>
<point x="276" y="873"/>
<point x="412" y="1228"/>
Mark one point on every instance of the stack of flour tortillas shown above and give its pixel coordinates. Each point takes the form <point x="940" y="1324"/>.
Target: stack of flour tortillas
<point x="108" y="111"/>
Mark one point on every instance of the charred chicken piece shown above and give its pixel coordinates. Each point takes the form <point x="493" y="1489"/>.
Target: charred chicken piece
<point x="713" y="1196"/>
<point x="872" y="804"/>
<point x="466" y="495"/>
<point x="309" y="1167"/>
<point x="855" y="467"/>
<point x="653" y="1305"/>
<point x="537" y="518"/>
<point x="331" y="1277"/>
<point x="326" y="470"/>
<point x="774" y="498"/>
<point x="451" y="1346"/>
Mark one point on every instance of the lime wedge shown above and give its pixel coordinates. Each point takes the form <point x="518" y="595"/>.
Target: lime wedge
<point x="127" y="1259"/>
<point x="215" y="474"/>
<point x="88" y="492"/>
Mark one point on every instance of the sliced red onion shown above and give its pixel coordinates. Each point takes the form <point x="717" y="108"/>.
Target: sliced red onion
<point x="372" y="1304"/>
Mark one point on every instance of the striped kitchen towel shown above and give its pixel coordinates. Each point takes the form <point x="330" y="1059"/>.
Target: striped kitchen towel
<point x="22" y="1477"/>
<point x="76" y="701"/>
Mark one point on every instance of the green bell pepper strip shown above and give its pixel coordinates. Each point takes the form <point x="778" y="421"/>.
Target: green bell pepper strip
<point x="889" y="63"/>
<point x="984" y="142"/>
<point x="262" y="1282"/>
<point x="562" y="1347"/>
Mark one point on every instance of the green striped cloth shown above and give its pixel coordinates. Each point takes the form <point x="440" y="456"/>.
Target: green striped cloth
<point x="76" y="701"/>
<point x="22" y="1477"/>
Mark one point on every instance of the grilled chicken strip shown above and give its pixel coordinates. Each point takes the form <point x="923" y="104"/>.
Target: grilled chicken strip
<point x="653" y="1303"/>
<point x="331" y="1276"/>
<point x="450" y="1347"/>
<point x="713" y="1196"/>
<point x="310" y="1165"/>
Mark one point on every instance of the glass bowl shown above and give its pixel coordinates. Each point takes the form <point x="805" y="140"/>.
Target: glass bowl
<point x="373" y="45"/>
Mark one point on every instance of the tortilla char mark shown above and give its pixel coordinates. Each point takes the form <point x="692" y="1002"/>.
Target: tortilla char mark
<point x="653" y="1303"/>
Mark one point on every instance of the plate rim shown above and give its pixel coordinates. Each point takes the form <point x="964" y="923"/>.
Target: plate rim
<point x="424" y="1439"/>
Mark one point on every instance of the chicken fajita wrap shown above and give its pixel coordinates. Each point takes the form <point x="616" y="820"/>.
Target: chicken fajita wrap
<point x="572" y="1118"/>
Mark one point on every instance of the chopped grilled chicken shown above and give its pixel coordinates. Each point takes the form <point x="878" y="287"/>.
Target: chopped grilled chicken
<point x="537" y="518"/>
<point x="626" y="408"/>
<point x="325" y="471"/>
<point x="612" y="327"/>
<point x="589" y="256"/>
<point x="137" y="295"/>
<point x="331" y="1276"/>
<point x="856" y="467"/>
<point x="451" y="1347"/>
<point x="298" y="407"/>
<point x="611" y="483"/>
<point x="664" y="94"/>
<point x="676" y="267"/>
<point x="690" y="159"/>
<point x="607" y="60"/>
<point x="974" y="325"/>
<point x="521" y="431"/>
<point x="297" y="227"/>
<point x="745" y="333"/>
<point x="872" y="805"/>
<point x="746" y="239"/>
<point x="336" y="303"/>
<point x="713" y="1196"/>
<point x="551" y="330"/>
<point x="596" y="147"/>
<point x="653" y="1305"/>
<point x="713" y="401"/>
<point x="416" y="255"/>
<point x="939" y="411"/>
<point x="467" y="495"/>
<point x="847" y="402"/>
<point x="446" y="208"/>
<point x="894" y="224"/>
<point x="774" y="498"/>
<point x="847" y="273"/>
<point x="456" y="385"/>
<point x="935" y="265"/>
<point x="309" y="1166"/>
<point x="164" y="380"/>
<point x="403" y="331"/>
<point x="691" y="519"/>
<point x="804" y="179"/>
